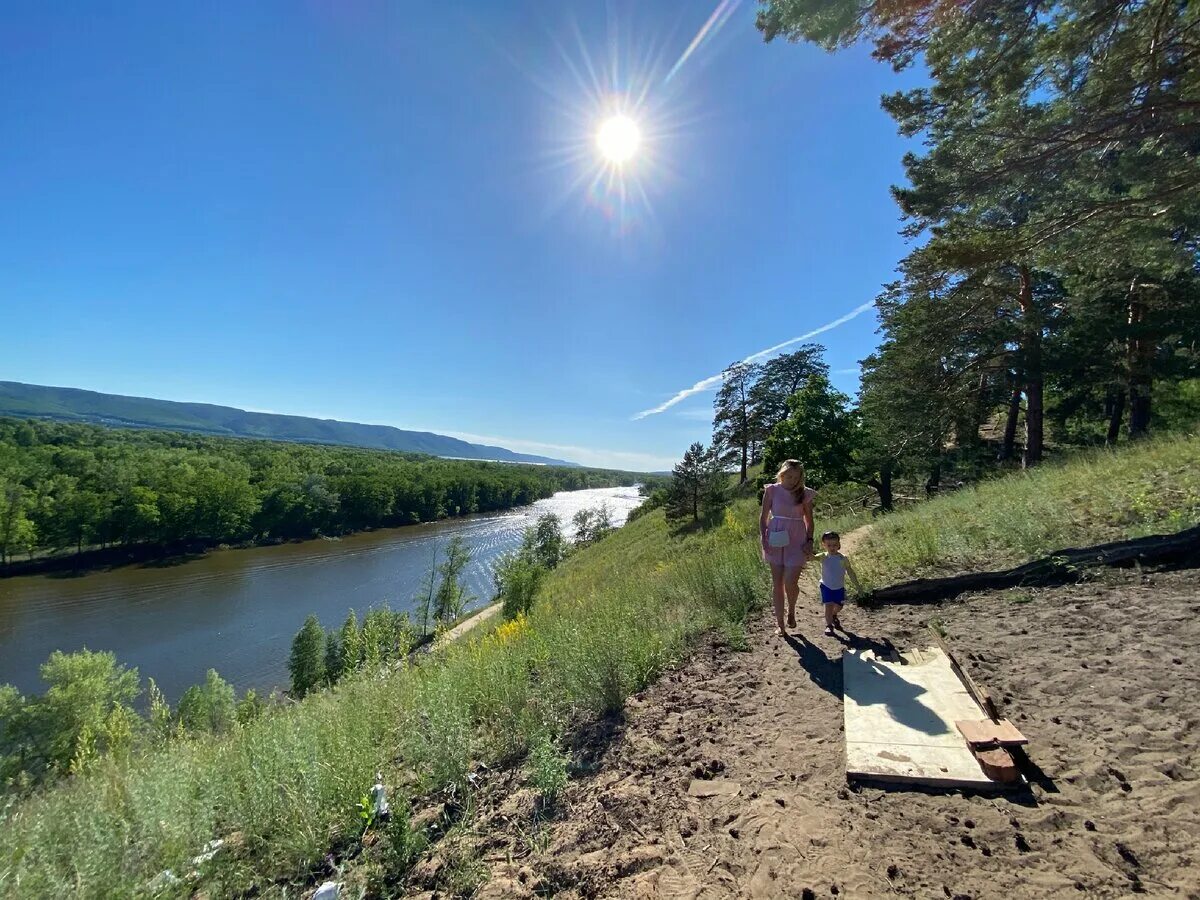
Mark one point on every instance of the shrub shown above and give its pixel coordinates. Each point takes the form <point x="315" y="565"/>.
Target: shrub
<point x="517" y="577"/>
<point x="209" y="707"/>
<point x="547" y="768"/>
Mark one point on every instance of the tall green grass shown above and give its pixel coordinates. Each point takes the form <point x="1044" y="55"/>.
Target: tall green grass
<point x="284" y="790"/>
<point x="1089" y="498"/>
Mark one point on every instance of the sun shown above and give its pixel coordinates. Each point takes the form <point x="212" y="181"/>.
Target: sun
<point x="618" y="139"/>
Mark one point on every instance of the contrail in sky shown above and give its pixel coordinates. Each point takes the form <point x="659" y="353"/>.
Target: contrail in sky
<point x="712" y="381"/>
<point x="709" y="29"/>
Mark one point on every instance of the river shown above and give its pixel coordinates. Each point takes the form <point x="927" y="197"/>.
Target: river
<point x="236" y="611"/>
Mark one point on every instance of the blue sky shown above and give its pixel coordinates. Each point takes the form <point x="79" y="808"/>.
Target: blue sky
<point x="384" y="212"/>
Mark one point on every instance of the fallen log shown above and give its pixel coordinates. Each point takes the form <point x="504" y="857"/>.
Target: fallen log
<point x="1061" y="567"/>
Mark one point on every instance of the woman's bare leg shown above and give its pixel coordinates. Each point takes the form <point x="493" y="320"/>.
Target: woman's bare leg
<point x="791" y="584"/>
<point x="777" y="594"/>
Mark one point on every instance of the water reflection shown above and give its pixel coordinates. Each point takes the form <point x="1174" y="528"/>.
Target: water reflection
<point x="237" y="611"/>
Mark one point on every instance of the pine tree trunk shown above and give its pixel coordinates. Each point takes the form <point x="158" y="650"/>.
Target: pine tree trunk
<point x="934" y="481"/>
<point x="1010" y="423"/>
<point x="1032" y="340"/>
<point x="1116" y="413"/>
<point x="1033" y="418"/>
<point x="883" y="487"/>
<point x="745" y="453"/>
<point x="1139" y="373"/>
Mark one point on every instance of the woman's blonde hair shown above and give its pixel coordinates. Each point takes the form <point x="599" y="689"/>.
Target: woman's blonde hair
<point x="793" y="465"/>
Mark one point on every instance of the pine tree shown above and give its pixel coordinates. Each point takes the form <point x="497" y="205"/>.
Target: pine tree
<point x="350" y="644"/>
<point x="307" y="660"/>
<point x="697" y="488"/>
<point x="779" y="378"/>
<point x="333" y="658"/>
<point x="735" y="423"/>
<point x="1058" y="149"/>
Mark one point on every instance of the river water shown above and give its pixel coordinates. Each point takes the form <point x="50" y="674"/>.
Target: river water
<point x="236" y="611"/>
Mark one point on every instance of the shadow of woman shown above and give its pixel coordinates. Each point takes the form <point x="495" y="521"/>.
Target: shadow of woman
<point x="826" y="673"/>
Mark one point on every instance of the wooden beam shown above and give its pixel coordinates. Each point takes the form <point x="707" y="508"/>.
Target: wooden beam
<point x="987" y="733"/>
<point x="980" y="694"/>
<point x="997" y="764"/>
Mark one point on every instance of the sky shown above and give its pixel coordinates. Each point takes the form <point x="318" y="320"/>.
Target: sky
<point x="398" y="212"/>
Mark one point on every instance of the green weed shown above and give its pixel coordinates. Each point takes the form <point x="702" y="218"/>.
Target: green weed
<point x="547" y="769"/>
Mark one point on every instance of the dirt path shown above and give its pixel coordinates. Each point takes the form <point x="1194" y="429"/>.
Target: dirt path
<point x="726" y="778"/>
<point x="463" y="627"/>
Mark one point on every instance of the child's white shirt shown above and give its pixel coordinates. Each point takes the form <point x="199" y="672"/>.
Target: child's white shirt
<point x="833" y="571"/>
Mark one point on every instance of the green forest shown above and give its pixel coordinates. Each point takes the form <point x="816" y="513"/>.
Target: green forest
<point x="70" y="487"/>
<point x="1051" y="298"/>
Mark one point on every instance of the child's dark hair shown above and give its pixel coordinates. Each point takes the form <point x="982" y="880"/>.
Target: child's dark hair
<point x="831" y="536"/>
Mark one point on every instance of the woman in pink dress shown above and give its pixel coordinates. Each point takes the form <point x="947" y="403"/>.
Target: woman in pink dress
<point x="786" y="525"/>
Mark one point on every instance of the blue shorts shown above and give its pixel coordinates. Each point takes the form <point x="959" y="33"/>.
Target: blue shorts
<point x="833" y="595"/>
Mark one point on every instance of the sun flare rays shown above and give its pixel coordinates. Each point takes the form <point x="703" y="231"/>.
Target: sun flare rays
<point x="619" y="108"/>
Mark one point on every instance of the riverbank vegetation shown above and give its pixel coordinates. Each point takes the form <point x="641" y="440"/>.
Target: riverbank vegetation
<point x="67" y="487"/>
<point x="283" y="789"/>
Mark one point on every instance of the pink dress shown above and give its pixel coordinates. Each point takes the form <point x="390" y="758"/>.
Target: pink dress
<point x="786" y="515"/>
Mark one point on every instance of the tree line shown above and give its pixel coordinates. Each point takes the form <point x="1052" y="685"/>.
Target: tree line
<point x="69" y="487"/>
<point x="1052" y="295"/>
<point x="1053" y="292"/>
<point x="88" y="711"/>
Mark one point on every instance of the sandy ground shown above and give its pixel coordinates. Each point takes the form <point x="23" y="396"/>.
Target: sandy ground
<point x="1102" y="676"/>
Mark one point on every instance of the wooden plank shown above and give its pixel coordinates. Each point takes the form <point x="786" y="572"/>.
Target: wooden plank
<point x="981" y="694"/>
<point x="984" y="731"/>
<point x="900" y="719"/>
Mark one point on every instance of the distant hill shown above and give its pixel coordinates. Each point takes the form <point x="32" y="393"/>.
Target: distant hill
<point x="74" y="405"/>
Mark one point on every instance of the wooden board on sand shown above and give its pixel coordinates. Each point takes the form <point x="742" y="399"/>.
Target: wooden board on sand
<point x="900" y="721"/>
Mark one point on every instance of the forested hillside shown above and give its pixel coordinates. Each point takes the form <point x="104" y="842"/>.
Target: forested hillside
<point x="74" y="405"/>
<point x="1053" y="192"/>
<point x="1051" y="300"/>
<point x="68" y="486"/>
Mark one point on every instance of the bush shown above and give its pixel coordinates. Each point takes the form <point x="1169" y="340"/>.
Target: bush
<point x="85" y="712"/>
<point x="209" y="707"/>
<point x="518" y="579"/>
<point x="547" y="769"/>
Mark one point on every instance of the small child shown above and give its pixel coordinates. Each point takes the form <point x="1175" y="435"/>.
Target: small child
<point x="834" y="569"/>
